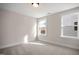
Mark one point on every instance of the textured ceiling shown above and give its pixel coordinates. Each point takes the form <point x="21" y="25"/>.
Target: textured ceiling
<point x="43" y="9"/>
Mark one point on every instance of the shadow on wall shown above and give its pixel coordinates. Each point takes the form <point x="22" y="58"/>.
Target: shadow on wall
<point x="34" y="34"/>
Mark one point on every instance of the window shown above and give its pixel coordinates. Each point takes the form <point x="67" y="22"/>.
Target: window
<point x="42" y="27"/>
<point x="69" y="25"/>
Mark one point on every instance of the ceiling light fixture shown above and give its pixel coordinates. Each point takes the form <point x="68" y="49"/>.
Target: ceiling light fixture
<point x="35" y="5"/>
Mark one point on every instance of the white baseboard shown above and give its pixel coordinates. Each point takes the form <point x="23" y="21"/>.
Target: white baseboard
<point x="10" y="45"/>
<point x="63" y="45"/>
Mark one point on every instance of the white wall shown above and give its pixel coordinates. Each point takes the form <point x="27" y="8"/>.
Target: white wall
<point x="13" y="28"/>
<point x="54" y="30"/>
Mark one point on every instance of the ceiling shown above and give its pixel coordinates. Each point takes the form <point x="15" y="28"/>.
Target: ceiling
<point x="44" y="9"/>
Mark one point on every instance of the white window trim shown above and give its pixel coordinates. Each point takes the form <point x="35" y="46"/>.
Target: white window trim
<point x="61" y="35"/>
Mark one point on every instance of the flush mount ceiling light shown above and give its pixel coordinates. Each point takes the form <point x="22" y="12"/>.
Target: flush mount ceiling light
<point x="35" y="5"/>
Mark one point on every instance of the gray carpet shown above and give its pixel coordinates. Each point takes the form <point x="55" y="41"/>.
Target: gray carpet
<point x="38" y="48"/>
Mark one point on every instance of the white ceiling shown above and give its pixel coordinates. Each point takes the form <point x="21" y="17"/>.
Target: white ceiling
<point x="43" y="9"/>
